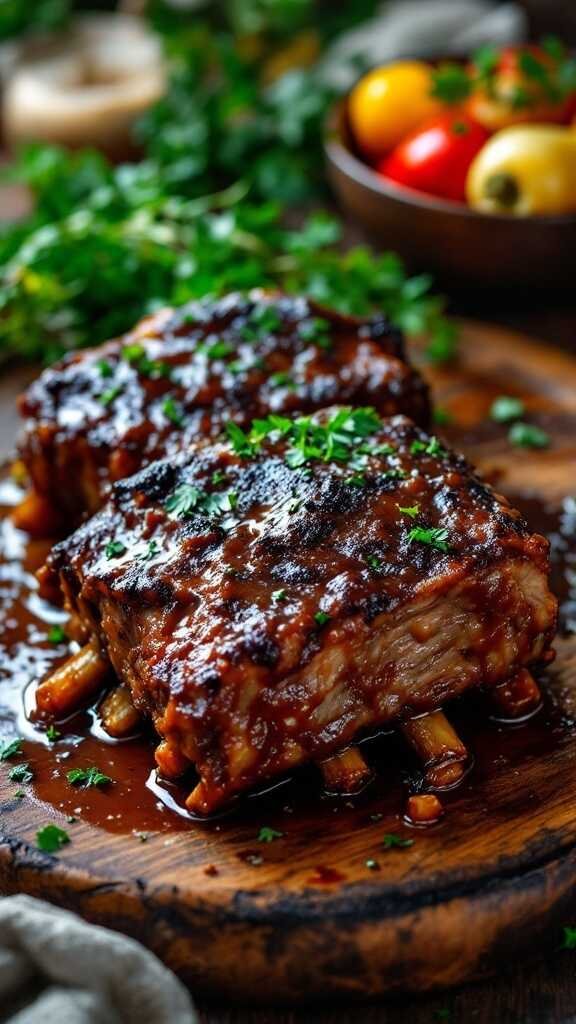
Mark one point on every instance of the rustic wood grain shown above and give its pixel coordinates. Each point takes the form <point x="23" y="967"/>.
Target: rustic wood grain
<point x="494" y="882"/>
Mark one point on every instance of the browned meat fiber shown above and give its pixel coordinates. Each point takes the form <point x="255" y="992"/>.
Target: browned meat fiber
<point x="102" y="414"/>
<point x="268" y="597"/>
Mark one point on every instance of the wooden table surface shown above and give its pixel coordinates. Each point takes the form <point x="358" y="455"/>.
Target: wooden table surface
<point x="543" y="992"/>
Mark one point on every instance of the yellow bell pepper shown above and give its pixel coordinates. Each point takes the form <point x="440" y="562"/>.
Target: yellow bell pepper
<point x="525" y="170"/>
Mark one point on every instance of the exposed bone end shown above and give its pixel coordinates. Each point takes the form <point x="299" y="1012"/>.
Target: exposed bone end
<point x="170" y="760"/>
<point x="37" y="516"/>
<point x="73" y="683"/>
<point x="439" y="747"/>
<point x="518" y="697"/>
<point x="205" y="800"/>
<point x="346" y="772"/>
<point x="118" y="715"/>
<point x="424" y="809"/>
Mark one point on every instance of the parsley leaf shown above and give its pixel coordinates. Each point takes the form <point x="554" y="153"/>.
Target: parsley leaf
<point x="451" y="83"/>
<point x="173" y="412"/>
<point x="187" y="499"/>
<point x="52" y="734"/>
<point x="109" y="396"/>
<point x="13" y="748"/>
<point x="114" y="549"/>
<point x="527" y="435"/>
<point x="434" y="536"/>
<point x="392" y="841"/>
<point x="87" y="777"/>
<point x="321" y="618"/>
<point x="505" y="408"/>
<point x="409" y="510"/>
<point x="51" y="838"/>
<point x="21" y="773"/>
<point x="56" y="635"/>
<point x="569" y="938"/>
<point x="268" y="835"/>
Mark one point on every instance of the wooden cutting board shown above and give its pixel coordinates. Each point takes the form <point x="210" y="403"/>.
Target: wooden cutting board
<point x="304" y="916"/>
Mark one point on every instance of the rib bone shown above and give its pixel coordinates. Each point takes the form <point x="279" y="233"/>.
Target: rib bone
<point x="442" y="752"/>
<point x="518" y="697"/>
<point x="73" y="683"/>
<point x="346" y="772"/>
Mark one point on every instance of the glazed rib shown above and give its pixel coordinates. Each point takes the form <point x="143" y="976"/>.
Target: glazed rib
<point x="269" y="598"/>
<point x="101" y="415"/>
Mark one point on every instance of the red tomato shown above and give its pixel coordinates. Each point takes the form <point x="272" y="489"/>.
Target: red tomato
<point x="436" y="157"/>
<point x="514" y="97"/>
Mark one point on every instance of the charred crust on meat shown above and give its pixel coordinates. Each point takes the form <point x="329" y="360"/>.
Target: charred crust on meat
<point x="234" y="358"/>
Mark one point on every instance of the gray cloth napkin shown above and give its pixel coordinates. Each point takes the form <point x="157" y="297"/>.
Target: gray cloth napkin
<point x="55" y="967"/>
<point x="423" y="28"/>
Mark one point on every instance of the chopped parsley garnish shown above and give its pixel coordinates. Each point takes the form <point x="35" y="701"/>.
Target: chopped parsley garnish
<point x="504" y="409"/>
<point x="394" y="474"/>
<point x="268" y="835"/>
<point x="392" y="841"/>
<point x="105" y="368"/>
<point x="279" y="595"/>
<point x="374" y="562"/>
<point x="133" y="353"/>
<point x="434" y="536"/>
<point x="431" y="447"/>
<point x="56" y="635"/>
<point x="356" y="480"/>
<point x="409" y="510"/>
<point x="114" y="549"/>
<point x="19" y="794"/>
<point x="13" y="748"/>
<point x="217" y="349"/>
<point x="187" y="499"/>
<point x="321" y="618"/>
<point x="87" y="777"/>
<point x="146" y="367"/>
<point x="295" y="506"/>
<point x="150" y="551"/>
<point x="218" y="477"/>
<point x="21" y="773"/>
<point x="261" y="321"/>
<point x="52" y="734"/>
<point x="51" y="838"/>
<point x="569" y="938"/>
<point x="316" y="330"/>
<point x="107" y="397"/>
<point x="173" y="412"/>
<point x="282" y="379"/>
<point x="527" y="435"/>
<point x="341" y="439"/>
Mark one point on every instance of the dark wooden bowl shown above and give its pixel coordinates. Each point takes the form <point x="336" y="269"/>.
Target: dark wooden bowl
<point x="459" y="245"/>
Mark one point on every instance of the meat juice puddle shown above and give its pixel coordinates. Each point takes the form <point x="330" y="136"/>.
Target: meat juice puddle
<point x="139" y="802"/>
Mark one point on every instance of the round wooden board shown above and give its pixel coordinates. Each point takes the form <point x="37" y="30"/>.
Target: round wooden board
<point x="304" y="917"/>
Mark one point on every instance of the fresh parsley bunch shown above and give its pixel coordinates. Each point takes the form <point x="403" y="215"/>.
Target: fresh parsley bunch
<point x="227" y="154"/>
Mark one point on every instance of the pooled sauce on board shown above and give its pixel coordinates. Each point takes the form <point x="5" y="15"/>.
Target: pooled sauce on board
<point x="137" y="800"/>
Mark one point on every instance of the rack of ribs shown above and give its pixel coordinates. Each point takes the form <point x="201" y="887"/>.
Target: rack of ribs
<point x="102" y="414"/>
<point x="268" y="598"/>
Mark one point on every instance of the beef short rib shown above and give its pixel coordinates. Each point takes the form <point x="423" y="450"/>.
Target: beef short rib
<point x="268" y="598"/>
<point x="101" y="415"/>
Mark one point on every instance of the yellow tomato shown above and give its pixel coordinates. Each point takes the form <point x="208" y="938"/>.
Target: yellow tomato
<point x="525" y="170"/>
<point x="390" y="102"/>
